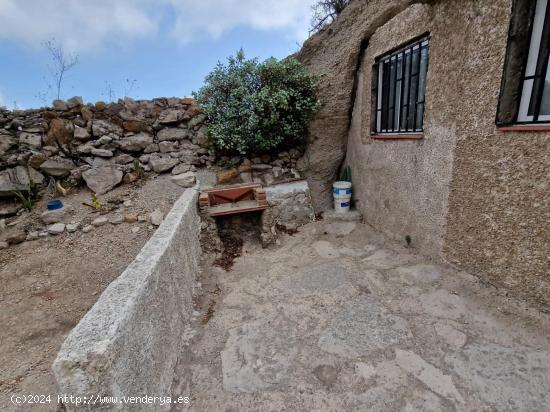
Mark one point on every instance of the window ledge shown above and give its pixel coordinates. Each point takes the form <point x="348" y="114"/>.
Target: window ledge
<point x="525" y="128"/>
<point x="398" y="136"/>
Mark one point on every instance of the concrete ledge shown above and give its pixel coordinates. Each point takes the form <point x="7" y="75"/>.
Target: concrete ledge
<point x="128" y="343"/>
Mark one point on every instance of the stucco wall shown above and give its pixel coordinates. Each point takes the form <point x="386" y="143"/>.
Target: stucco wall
<point x="401" y="186"/>
<point x="466" y="192"/>
<point x="334" y="53"/>
<point x="498" y="222"/>
<point x="128" y="343"/>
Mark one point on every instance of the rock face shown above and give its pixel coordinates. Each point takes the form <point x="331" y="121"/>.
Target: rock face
<point x="102" y="179"/>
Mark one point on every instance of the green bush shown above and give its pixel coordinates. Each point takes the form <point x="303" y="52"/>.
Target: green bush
<point x="257" y="107"/>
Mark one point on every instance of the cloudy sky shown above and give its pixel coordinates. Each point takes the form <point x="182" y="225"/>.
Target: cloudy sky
<point x="142" y="48"/>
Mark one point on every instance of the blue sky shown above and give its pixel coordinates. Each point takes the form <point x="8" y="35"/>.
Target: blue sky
<point x="166" y="46"/>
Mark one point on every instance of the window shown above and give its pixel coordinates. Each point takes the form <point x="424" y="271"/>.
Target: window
<point x="525" y="87"/>
<point x="400" y="85"/>
<point x="535" y="96"/>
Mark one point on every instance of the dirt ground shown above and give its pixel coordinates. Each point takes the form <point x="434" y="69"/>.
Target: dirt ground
<point x="50" y="283"/>
<point x="337" y="317"/>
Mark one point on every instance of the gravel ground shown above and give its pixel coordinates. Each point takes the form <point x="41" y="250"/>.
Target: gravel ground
<point x="50" y="283"/>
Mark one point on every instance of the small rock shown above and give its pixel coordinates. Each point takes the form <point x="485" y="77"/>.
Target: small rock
<point x="157" y="217"/>
<point x="53" y="216"/>
<point x="227" y="175"/>
<point x="57" y="168"/>
<point x="32" y="236"/>
<point x="87" y="228"/>
<point x="128" y="203"/>
<point x="102" y="179"/>
<point x="100" y="221"/>
<point x="30" y="140"/>
<point x="162" y="164"/>
<point x="81" y="134"/>
<point x="73" y="227"/>
<point x="4" y="245"/>
<point x="130" y="218"/>
<point x="142" y="218"/>
<point x="261" y="167"/>
<point x="185" y="179"/>
<point x="102" y="153"/>
<point x="44" y="233"/>
<point x="135" y="229"/>
<point x="136" y="142"/>
<point x="181" y="168"/>
<point x="56" y="228"/>
<point x="75" y="102"/>
<point x="116" y="219"/>
<point x="16" y="237"/>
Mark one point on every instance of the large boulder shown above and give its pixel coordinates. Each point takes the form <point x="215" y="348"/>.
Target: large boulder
<point x="172" y="133"/>
<point x="136" y="142"/>
<point x="60" y="131"/>
<point x="102" y="179"/>
<point x="13" y="180"/>
<point x="57" y="167"/>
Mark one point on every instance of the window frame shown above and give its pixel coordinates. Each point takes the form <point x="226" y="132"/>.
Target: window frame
<point x="535" y="68"/>
<point x="403" y="55"/>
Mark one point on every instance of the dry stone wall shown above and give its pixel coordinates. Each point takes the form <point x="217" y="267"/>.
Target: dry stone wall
<point x="100" y="143"/>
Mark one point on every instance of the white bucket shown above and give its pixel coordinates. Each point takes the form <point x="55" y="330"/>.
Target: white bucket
<point x="342" y="196"/>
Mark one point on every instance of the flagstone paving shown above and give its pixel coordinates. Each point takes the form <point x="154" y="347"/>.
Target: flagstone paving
<point x="337" y="317"/>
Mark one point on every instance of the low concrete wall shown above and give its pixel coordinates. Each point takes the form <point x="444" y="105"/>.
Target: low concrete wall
<point x="290" y="203"/>
<point x="128" y="343"/>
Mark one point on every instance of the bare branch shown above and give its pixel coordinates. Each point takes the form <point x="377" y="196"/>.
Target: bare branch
<point x="62" y="63"/>
<point x="325" y="12"/>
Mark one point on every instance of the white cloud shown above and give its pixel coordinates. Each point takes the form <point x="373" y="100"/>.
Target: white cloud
<point x="88" y="25"/>
<point x="214" y="17"/>
<point x="78" y="25"/>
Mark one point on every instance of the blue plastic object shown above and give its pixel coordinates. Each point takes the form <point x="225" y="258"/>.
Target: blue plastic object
<point x="55" y="204"/>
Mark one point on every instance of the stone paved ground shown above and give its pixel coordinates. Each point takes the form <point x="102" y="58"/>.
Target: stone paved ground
<point x="338" y="318"/>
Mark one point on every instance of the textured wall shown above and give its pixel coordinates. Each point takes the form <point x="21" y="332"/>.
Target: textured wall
<point x="334" y="53"/>
<point x="128" y="343"/>
<point x="467" y="192"/>
<point x="499" y="204"/>
<point x="401" y="187"/>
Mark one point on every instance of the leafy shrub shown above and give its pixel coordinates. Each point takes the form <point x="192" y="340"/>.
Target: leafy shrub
<point x="257" y="107"/>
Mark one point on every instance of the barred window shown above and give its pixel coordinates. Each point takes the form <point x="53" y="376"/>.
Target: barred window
<point x="400" y="89"/>
<point x="535" y="96"/>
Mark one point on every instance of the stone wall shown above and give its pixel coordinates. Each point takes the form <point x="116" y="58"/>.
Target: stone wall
<point x="467" y="192"/>
<point x="102" y="144"/>
<point x="99" y="143"/>
<point x="128" y="343"/>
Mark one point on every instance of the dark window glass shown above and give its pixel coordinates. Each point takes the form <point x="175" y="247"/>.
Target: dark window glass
<point x="401" y="89"/>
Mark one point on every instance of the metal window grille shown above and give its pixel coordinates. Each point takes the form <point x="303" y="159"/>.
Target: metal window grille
<point x="535" y="95"/>
<point x="401" y="87"/>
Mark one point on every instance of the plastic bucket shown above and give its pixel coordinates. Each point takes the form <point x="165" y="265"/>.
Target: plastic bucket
<point x="342" y="196"/>
<point x="54" y="204"/>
